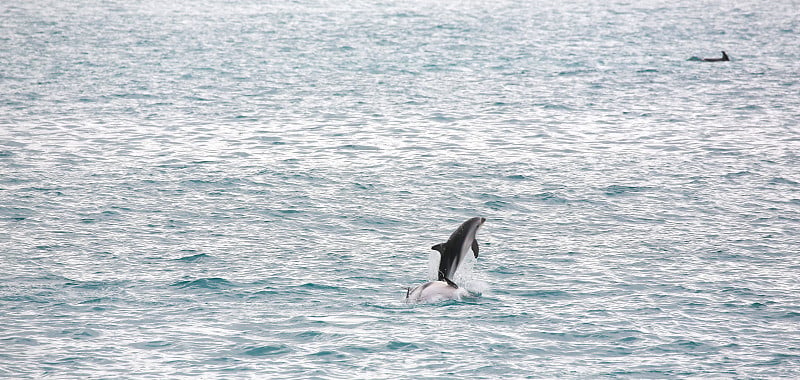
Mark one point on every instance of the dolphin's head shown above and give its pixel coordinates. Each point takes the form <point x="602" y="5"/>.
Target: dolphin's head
<point x="475" y="222"/>
<point x="470" y="227"/>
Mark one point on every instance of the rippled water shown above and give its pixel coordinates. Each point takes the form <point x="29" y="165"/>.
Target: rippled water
<point x="244" y="188"/>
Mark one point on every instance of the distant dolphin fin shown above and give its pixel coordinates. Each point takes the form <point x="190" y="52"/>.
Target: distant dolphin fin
<point x="451" y="283"/>
<point x="475" y="247"/>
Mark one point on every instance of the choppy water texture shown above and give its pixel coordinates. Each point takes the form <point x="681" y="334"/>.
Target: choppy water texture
<point x="244" y="188"/>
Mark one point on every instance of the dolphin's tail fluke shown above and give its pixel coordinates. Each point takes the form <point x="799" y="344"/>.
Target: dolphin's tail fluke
<point x="451" y="283"/>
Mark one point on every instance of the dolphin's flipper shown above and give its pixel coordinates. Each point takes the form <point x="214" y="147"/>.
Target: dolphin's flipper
<point x="475" y="247"/>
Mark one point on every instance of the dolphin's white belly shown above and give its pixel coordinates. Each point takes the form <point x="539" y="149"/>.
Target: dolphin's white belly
<point x="435" y="291"/>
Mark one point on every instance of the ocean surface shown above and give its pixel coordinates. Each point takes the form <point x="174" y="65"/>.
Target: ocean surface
<point x="244" y="189"/>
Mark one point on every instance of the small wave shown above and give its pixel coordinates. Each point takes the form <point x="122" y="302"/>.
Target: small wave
<point x="15" y="213"/>
<point x="516" y="177"/>
<point x="783" y="181"/>
<point x="314" y="286"/>
<point x="750" y="107"/>
<point x="401" y="346"/>
<point x="194" y="258"/>
<point x="505" y="270"/>
<point x="264" y="293"/>
<point x="359" y="147"/>
<point x="363" y="186"/>
<point x="17" y="340"/>
<point x="575" y="72"/>
<point x="268" y="350"/>
<point x="152" y="344"/>
<point x="94" y="284"/>
<point x="442" y="119"/>
<point x="791" y="315"/>
<point x="496" y="205"/>
<point x="736" y="174"/>
<point x="546" y="294"/>
<point x="81" y="333"/>
<point x="551" y="198"/>
<point x="96" y="300"/>
<point x="621" y="190"/>
<point x="134" y="96"/>
<point x="559" y="107"/>
<point x="204" y="283"/>
<point x="682" y="345"/>
<point x="329" y="354"/>
<point x="309" y="335"/>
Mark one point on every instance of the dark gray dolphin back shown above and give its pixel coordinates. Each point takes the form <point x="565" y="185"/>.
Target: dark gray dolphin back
<point x="459" y="244"/>
<point x="724" y="58"/>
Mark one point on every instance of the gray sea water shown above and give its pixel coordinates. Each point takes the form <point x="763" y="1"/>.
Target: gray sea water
<point x="243" y="189"/>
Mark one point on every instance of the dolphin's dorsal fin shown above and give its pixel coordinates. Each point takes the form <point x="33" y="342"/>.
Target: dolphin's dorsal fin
<point x="438" y="247"/>
<point x="475" y="248"/>
<point x="451" y="283"/>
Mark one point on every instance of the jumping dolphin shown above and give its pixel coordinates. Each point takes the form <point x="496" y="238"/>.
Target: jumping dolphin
<point x="452" y="253"/>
